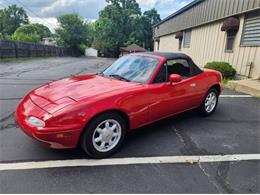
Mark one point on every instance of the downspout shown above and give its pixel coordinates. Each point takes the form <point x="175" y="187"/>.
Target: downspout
<point x="250" y="69"/>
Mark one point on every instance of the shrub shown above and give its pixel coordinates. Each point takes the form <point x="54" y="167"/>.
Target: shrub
<point x="228" y="72"/>
<point x="82" y="48"/>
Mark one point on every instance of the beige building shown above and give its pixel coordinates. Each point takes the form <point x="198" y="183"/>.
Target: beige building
<point x="215" y="30"/>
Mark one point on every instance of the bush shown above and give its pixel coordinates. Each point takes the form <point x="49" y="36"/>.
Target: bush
<point x="82" y="48"/>
<point x="228" y="72"/>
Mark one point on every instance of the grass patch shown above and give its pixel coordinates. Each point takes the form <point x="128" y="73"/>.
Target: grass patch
<point x="22" y="59"/>
<point x="225" y="81"/>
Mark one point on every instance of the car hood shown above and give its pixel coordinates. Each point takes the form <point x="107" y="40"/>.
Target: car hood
<point x="56" y="95"/>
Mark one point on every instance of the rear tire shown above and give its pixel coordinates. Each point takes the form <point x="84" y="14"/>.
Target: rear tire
<point x="209" y="103"/>
<point x="104" y="135"/>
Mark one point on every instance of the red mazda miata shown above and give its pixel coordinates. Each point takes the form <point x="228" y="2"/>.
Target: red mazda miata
<point x="95" y="111"/>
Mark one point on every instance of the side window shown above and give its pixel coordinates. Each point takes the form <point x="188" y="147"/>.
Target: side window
<point x="161" y="76"/>
<point x="178" y="66"/>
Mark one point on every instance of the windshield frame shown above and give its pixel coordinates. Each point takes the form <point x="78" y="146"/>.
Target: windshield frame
<point x="154" y="72"/>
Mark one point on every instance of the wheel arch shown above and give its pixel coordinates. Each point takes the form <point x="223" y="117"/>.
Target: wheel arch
<point x="117" y="111"/>
<point x="217" y="87"/>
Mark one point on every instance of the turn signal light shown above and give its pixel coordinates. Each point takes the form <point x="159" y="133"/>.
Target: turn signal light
<point x="63" y="135"/>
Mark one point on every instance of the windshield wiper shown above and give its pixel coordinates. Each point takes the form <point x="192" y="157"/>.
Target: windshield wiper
<point x="119" y="77"/>
<point x="100" y="74"/>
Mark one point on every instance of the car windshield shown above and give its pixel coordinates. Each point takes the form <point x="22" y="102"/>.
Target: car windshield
<point x="132" y="68"/>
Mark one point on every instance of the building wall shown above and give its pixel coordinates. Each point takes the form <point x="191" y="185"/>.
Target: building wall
<point x="202" y="12"/>
<point x="208" y="44"/>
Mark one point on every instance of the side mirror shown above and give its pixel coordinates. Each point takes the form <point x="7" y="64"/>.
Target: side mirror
<point x="175" y="78"/>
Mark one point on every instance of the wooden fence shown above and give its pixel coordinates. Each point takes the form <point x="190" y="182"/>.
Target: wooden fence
<point x="16" y="49"/>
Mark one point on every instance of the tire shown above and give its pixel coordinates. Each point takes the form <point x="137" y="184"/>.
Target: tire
<point x="205" y="109"/>
<point x="103" y="129"/>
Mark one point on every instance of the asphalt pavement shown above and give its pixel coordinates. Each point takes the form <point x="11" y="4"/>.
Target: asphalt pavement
<point x="233" y="129"/>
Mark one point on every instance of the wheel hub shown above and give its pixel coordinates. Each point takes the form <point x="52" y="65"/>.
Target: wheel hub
<point x="107" y="135"/>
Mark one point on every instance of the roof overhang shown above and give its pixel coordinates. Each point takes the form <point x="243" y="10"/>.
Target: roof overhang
<point x="185" y="8"/>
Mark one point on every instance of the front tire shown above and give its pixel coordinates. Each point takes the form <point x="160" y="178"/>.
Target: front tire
<point x="209" y="103"/>
<point x="103" y="135"/>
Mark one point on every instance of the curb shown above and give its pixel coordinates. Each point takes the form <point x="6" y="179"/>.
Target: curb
<point x="251" y="87"/>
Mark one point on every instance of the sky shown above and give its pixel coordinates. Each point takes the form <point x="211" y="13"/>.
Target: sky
<point x="46" y="11"/>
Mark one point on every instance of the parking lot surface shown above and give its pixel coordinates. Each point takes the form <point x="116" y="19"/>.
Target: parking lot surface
<point x="234" y="129"/>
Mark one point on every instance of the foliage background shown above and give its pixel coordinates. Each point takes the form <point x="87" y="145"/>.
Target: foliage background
<point x="120" y="23"/>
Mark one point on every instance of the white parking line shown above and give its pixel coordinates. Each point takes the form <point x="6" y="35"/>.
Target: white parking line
<point x="127" y="161"/>
<point x="236" y="96"/>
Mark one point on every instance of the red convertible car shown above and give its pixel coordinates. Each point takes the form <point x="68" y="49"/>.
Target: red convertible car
<point x="95" y="111"/>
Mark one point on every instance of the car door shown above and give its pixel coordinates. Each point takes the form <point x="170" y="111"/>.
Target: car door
<point x="167" y="98"/>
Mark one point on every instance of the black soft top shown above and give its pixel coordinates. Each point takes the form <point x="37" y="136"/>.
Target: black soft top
<point x="169" y="55"/>
<point x="195" y="70"/>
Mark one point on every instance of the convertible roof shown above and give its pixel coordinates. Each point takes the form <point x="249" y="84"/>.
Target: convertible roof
<point x="169" y="55"/>
<point x="174" y="55"/>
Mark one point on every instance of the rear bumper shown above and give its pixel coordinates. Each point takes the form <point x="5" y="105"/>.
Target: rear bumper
<point x="60" y="139"/>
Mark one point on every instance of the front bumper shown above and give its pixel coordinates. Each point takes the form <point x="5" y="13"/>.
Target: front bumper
<point x="60" y="138"/>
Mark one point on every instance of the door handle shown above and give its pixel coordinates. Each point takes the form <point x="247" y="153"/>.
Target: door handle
<point x="193" y="84"/>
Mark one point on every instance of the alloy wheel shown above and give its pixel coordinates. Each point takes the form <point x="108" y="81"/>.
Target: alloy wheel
<point x="106" y="135"/>
<point x="210" y="102"/>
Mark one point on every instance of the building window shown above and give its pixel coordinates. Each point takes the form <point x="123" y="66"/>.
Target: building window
<point x="179" y="35"/>
<point x="158" y="45"/>
<point x="180" y="43"/>
<point x="187" y="39"/>
<point x="231" y="35"/>
<point x="251" y="31"/>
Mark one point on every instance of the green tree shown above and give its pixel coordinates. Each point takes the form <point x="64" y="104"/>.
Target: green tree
<point x="31" y="33"/>
<point x="105" y="39"/>
<point x="1" y="36"/>
<point x="90" y="29"/>
<point x="33" y="29"/>
<point x="121" y="23"/>
<point x="73" y="31"/>
<point x="143" y="32"/>
<point x="34" y="38"/>
<point x="1" y="22"/>
<point x="152" y="16"/>
<point x="139" y="32"/>
<point x="11" y="18"/>
<point x="118" y="17"/>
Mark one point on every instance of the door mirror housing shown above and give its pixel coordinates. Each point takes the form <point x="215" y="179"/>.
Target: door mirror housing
<point x="175" y="78"/>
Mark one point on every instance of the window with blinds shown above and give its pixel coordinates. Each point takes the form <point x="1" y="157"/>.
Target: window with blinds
<point x="187" y="39"/>
<point x="251" y="31"/>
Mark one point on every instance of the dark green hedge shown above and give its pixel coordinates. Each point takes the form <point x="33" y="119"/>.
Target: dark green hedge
<point x="228" y="72"/>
